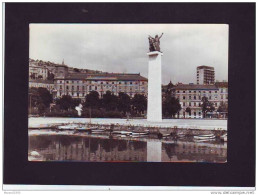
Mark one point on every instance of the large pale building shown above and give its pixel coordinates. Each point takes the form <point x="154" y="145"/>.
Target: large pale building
<point x="205" y="75"/>
<point x="190" y="96"/>
<point x="78" y="85"/>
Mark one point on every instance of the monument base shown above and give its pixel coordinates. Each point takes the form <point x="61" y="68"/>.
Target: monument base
<point x="154" y="108"/>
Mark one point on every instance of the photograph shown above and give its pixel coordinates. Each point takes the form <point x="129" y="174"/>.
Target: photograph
<point x="128" y="92"/>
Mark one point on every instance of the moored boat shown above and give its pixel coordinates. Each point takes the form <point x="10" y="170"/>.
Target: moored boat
<point x="205" y="137"/>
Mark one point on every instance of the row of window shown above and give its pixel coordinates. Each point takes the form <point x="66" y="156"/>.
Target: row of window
<point x="95" y="87"/>
<point x="197" y="104"/>
<point x="103" y="82"/>
<point x="215" y="91"/>
<point x="76" y="94"/>
<point x="209" y="97"/>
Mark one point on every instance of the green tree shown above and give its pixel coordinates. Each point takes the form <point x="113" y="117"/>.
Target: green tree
<point x="206" y="106"/>
<point x="39" y="98"/>
<point x="65" y="102"/>
<point x="170" y="106"/>
<point x="223" y="107"/>
<point x="139" y="103"/>
<point x="110" y="101"/>
<point x="92" y="100"/>
<point x="188" y="110"/>
<point x="124" y="102"/>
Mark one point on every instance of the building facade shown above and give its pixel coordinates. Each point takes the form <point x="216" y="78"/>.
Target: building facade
<point x="205" y="75"/>
<point x="78" y="85"/>
<point x="190" y="96"/>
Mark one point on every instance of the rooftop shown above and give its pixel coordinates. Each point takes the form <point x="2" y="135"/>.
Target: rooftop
<point x="106" y="76"/>
<point x="204" y="66"/>
<point x="195" y="87"/>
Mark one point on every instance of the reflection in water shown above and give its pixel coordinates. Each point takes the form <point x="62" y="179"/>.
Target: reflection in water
<point x="63" y="147"/>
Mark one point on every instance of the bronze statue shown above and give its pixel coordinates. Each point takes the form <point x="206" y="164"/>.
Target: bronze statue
<point x="154" y="43"/>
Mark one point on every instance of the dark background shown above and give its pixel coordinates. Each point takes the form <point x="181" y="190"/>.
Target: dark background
<point x="240" y="168"/>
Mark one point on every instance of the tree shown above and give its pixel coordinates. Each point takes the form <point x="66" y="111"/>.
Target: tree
<point x="44" y="96"/>
<point x="76" y="70"/>
<point x="124" y="102"/>
<point x="39" y="98"/>
<point x="92" y="100"/>
<point x="170" y="106"/>
<point x="139" y="103"/>
<point x="50" y="76"/>
<point x="110" y="101"/>
<point x="65" y="102"/>
<point x="206" y="106"/>
<point x="188" y="110"/>
<point x="223" y="107"/>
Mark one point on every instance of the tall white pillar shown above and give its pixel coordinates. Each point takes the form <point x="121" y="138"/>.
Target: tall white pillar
<point x="154" y="108"/>
<point x="154" y="151"/>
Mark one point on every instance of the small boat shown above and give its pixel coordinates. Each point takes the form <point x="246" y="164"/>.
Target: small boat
<point x="122" y="132"/>
<point x="205" y="137"/>
<point x="140" y="133"/>
<point x="67" y="127"/>
<point x="82" y="128"/>
<point x="97" y="131"/>
<point x="40" y="126"/>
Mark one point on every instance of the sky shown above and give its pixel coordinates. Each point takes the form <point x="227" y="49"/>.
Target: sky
<point x="124" y="47"/>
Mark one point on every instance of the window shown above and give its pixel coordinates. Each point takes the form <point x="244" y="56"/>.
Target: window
<point x="190" y="97"/>
<point x="200" y="105"/>
<point x="183" y="91"/>
<point x="107" y="82"/>
<point x="67" y="81"/>
<point x="194" y="91"/>
<point x="83" y="88"/>
<point x="177" y="91"/>
<point x="78" y="88"/>
<point x="194" y="104"/>
<point x="60" y="86"/>
<point x="67" y="87"/>
<point x="72" y="87"/>
<point x="209" y="91"/>
<point x="113" y="83"/>
<point x="77" y="94"/>
<point x="221" y="90"/>
<point x="90" y="87"/>
<point x="216" y="104"/>
<point x="143" y="83"/>
<point x="101" y="83"/>
<point x="119" y="82"/>
<point x="215" y="91"/>
<point x="96" y="87"/>
<point x="183" y="97"/>
<point x="221" y="96"/>
<point x="194" y="113"/>
<point x="190" y="91"/>
<point x="190" y="104"/>
<point x="131" y="83"/>
<point x="194" y="97"/>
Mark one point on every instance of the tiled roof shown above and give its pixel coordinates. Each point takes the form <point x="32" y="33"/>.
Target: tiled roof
<point x="222" y="84"/>
<point x="195" y="87"/>
<point x="41" y="81"/>
<point x="106" y="76"/>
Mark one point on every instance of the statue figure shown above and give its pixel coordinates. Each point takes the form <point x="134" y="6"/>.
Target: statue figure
<point x="154" y="43"/>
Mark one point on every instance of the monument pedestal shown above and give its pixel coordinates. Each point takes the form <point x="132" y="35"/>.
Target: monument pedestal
<point x="154" y="108"/>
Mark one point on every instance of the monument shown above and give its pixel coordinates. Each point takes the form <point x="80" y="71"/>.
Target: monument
<point x="154" y="107"/>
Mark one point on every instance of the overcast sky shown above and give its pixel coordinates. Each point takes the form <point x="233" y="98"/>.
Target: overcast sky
<point x="123" y="47"/>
